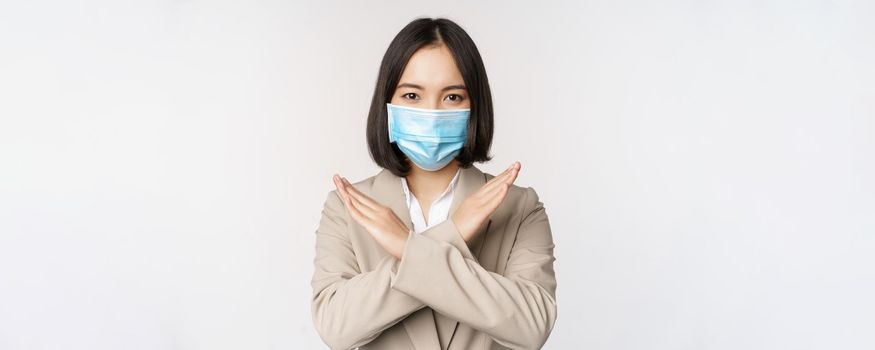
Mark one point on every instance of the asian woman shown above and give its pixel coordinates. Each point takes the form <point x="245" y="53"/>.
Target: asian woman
<point x="432" y="253"/>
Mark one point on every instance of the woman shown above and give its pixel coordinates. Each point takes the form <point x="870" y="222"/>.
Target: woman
<point x="432" y="253"/>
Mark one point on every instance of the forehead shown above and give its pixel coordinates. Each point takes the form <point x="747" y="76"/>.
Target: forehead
<point x="432" y="66"/>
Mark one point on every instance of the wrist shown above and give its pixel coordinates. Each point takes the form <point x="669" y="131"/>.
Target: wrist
<point x="400" y="239"/>
<point x="460" y="229"/>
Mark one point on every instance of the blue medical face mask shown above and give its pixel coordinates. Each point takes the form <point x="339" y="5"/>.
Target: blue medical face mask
<point x="431" y="138"/>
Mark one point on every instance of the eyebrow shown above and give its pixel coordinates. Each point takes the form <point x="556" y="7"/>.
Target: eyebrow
<point x="451" y="87"/>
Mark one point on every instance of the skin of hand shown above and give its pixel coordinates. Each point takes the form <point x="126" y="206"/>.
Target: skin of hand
<point x="471" y="214"/>
<point x="391" y="233"/>
<point x="379" y="220"/>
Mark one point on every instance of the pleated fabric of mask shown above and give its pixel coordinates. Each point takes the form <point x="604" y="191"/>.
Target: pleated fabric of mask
<point x="431" y="138"/>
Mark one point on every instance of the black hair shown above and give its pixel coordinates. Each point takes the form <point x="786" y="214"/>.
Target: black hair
<point x="415" y="35"/>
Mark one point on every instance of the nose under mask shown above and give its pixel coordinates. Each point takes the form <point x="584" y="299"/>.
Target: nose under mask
<point x="430" y="138"/>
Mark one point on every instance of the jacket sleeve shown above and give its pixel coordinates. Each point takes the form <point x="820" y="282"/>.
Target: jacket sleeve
<point x="517" y="309"/>
<point x="349" y="307"/>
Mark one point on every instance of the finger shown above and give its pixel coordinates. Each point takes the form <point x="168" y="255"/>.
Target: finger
<point x="506" y="182"/>
<point x="340" y="188"/>
<point x="497" y="177"/>
<point x="368" y="212"/>
<point x="347" y="200"/>
<point x="510" y="175"/>
<point x="364" y="209"/>
<point x="492" y="191"/>
<point x="350" y="207"/>
<point x="495" y="202"/>
<point x="490" y="186"/>
<point x="496" y="197"/>
<point x="353" y="206"/>
<point x="355" y="210"/>
<point x="362" y="198"/>
<point x="515" y="166"/>
<point x="354" y="201"/>
<point x="359" y="217"/>
<point x="513" y="174"/>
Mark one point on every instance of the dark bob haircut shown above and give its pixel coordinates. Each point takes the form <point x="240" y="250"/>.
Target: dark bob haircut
<point x="417" y="34"/>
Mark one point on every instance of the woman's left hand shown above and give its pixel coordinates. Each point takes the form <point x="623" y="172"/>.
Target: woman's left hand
<point x="379" y="220"/>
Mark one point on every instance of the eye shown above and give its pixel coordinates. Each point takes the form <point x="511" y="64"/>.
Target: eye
<point x="410" y="96"/>
<point x="454" y="98"/>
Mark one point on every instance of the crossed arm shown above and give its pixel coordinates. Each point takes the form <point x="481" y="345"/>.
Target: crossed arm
<point x="352" y="308"/>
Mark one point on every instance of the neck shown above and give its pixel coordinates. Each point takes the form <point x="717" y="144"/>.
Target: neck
<point x="430" y="184"/>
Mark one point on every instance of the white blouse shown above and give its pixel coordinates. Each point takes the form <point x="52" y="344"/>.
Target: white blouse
<point x="439" y="209"/>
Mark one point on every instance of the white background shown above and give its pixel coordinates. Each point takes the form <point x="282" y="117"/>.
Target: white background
<point x="707" y="166"/>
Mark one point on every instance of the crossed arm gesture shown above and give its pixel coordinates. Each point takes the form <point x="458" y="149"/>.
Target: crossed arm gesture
<point x="391" y="233"/>
<point x="435" y="268"/>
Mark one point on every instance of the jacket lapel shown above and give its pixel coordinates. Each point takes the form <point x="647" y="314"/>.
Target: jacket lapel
<point x="424" y="325"/>
<point x="420" y="327"/>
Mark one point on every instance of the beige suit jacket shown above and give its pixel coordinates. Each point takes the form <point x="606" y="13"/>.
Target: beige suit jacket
<point x="495" y="292"/>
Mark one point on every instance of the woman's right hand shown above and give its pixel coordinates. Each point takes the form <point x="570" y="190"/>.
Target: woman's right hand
<point x="379" y="220"/>
<point x="481" y="204"/>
